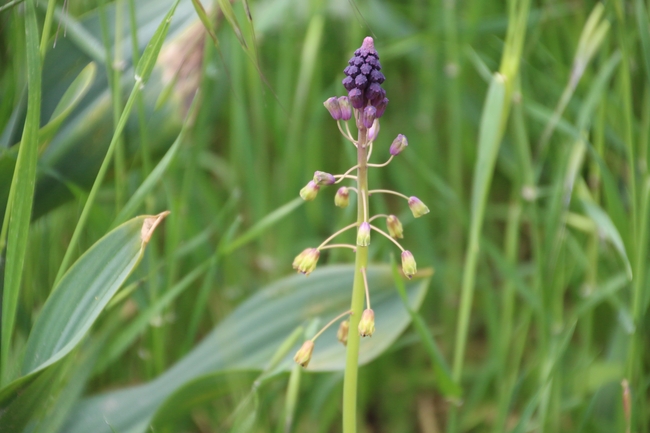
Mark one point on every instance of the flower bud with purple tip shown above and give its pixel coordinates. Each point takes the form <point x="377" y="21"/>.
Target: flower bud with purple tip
<point x="394" y="226"/>
<point x="342" y="197"/>
<point x="408" y="264"/>
<point x="332" y="105"/>
<point x="306" y="261"/>
<point x="398" y="145"/>
<point x="363" y="234"/>
<point x="309" y="192"/>
<point x="417" y="207"/>
<point x="367" y="323"/>
<point x="322" y="178"/>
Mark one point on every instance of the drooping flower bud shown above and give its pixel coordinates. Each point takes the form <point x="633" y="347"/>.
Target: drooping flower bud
<point x="306" y="261"/>
<point x="363" y="234"/>
<point x="342" y="333"/>
<point x="332" y="105"/>
<point x="367" y="323"/>
<point x="322" y="178"/>
<point x="368" y="116"/>
<point x="381" y="107"/>
<point x="356" y="98"/>
<point x="346" y="108"/>
<point x="309" y="192"/>
<point x="342" y="197"/>
<point x="303" y="355"/>
<point x="408" y="264"/>
<point x="394" y="226"/>
<point x="417" y="207"/>
<point x="373" y="131"/>
<point x="398" y="145"/>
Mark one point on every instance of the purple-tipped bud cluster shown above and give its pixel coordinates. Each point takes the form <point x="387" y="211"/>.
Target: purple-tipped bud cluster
<point x="363" y="80"/>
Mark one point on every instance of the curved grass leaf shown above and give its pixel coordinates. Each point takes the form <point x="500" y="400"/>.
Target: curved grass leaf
<point x="249" y="337"/>
<point x="84" y="291"/>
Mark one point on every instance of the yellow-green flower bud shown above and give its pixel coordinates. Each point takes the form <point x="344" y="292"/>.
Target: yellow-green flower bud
<point x="322" y="178"/>
<point x="417" y="207"/>
<point x="342" y="333"/>
<point x="394" y="226"/>
<point x="309" y="192"/>
<point x="303" y="355"/>
<point x="408" y="264"/>
<point x="306" y="261"/>
<point x="342" y="197"/>
<point x="367" y="323"/>
<point x="363" y="234"/>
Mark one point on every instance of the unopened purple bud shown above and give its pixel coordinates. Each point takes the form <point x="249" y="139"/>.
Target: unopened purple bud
<point x="346" y="108"/>
<point x="348" y="83"/>
<point x="309" y="192"/>
<point x="373" y="131"/>
<point x="417" y="207"/>
<point x="373" y="91"/>
<point x="322" y="178"/>
<point x="368" y="117"/>
<point x="398" y="145"/>
<point x="408" y="264"/>
<point x="356" y="98"/>
<point x="363" y="234"/>
<point x="332" y="105"/>
<point x="342" y="197"/>
<point x="381" y="107"/>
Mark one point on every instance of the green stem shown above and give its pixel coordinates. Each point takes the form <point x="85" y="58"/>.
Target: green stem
<point x="358" y="295"/>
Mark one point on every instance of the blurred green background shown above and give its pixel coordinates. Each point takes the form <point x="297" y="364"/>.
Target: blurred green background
<point x="554" y="282"/>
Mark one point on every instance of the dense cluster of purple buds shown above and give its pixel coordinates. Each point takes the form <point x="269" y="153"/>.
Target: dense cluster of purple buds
<point x="363" y="80"/>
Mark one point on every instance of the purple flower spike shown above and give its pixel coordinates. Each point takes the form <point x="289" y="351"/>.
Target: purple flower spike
<point x="363" y="79"/>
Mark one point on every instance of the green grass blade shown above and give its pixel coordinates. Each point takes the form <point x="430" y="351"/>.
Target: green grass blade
<point x="157" y="173"/>
<point x="488" y="147"/>
<point x="21" y="195"/>
<point x="84" y="291"/>
<point x="262" y="225"/>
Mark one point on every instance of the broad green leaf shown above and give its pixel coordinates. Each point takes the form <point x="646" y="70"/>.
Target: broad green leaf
<point x="21" y="195"/>
<point x="84" y="291"/>
<point x="248" y="338"/>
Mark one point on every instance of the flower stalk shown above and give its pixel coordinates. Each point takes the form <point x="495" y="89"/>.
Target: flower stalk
<point x="366" y="102"/>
